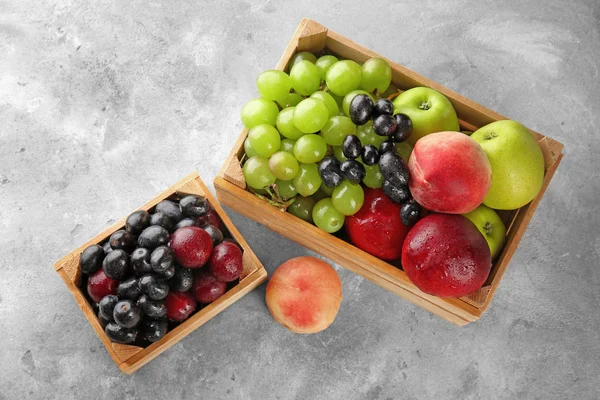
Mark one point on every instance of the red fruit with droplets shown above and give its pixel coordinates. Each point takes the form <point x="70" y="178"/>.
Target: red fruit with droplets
<point x="207" y="288"/>
<point x="446" y="255"/>
<point x="100" y="285"/>
<point x="211" y="218"/>
<point x="226" y="262"/>
<point x="377" y="227"/>
<point x="192" y="246"/>
<point x="180" y="305"/>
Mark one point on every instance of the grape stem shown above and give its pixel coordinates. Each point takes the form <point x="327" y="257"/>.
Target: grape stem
<point x="393" y="96"/>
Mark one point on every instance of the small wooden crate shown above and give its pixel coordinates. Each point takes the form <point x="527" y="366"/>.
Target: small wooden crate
<point x="230" y="187"/>
<point x="131" y="358"/>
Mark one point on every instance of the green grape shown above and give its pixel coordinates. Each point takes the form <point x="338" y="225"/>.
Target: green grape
<point x="339" y="154"/>
<point x="324" y="63"/>
<point x="327" y="190"/>
<point x="376" y="74"/>
<point x="274" y="85"/>
<point x="286" y="189"/>
<point x="257" y="173"/>
<point x="283" y="165"/>
<point x="310" y="115"/>
<point x="367" y="136"/>
<point x="248" y="149"/>
<point x="285" y="124"/>
<point x="343" y="77"/>
<point x="404" y="150"/>
<point x="259" y="111"/>
<point x="306" y="77"/>
<point x="339" y="100"/>
<point x="326" y="217"/>
<point x="302" y="208"/>
<point x="287" y="145"/>
<point x="328" y="100"/>
<point x="373" y="177"/>
<point x="348" y="198"/>
<point x="264" y="140"/>
<point x="336" y="129"/>
<point x="291" y="100"/>
<point x="348" y="99"/>
<point x="310" y="148"/>
<point x="303" y="55"/>
<point x="308" y="180"/>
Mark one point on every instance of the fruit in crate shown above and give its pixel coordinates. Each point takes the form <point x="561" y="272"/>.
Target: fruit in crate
<point x="489" y="223"/>
<point x="304" y="295"/>
<point x="429" y="110"/>
<point x="450" y="173"/>
<point x="138" y="289"/>
<point x="445" y="255"/>
<point x="517" y="164"/>
<point x="377" y="228"/>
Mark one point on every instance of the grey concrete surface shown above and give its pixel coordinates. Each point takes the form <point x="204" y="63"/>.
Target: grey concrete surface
<point x="105" y="103"/>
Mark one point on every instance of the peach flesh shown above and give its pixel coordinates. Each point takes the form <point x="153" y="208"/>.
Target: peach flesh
<point x="450" y="173"/>
<point x="304" y="295"/>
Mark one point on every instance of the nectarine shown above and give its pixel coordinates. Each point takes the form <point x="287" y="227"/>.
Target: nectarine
<point x="304" y="295"/>
<point x="450" y="173"/>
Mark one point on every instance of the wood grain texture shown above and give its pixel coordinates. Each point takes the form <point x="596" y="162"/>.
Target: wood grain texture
<point x="471" y="117"/>
<point x="130" y="358"/>
<point x="313" y="37"/>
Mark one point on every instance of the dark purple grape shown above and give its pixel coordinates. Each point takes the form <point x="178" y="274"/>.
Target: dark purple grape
<point x="394" y="169"/>
<point x="129" y="289"/>
<point x="103" y="321"/>
<point x="369" y="154"/>
<point x="152" y="308"/>
<point x="383" y="106"/>
<point x="403" y="128"/>
<point x="137" y="221"/>
<point x="361" y="108"/>
<point x="107" y="305"/>
<point x="329" y="171"/>
<point x="384" y="125"/>
<point x="186" y="222"/>
<point x="91" y="259"/>
<point x="194" y="206"/>
<point x="154" y="288"/>
<point x="140" y="261"/>
<point x="183" y="279"/>
<point x="410" y="212"/>
<point x="353" y="171"/>
<point x="127" y="314"/>
<point x="170" y="209"/>
<point x="215" y="233"/>
<point x="119" y="334"/>
<point x="163" y="220"/>
<point x="116" y="264"/>
<point x="386" y="146"/>
<point x="122" y="240"/>
<point x="162" y="259"/>
<point x="106" y="248"/>
<point x="153" y="236"/>
<point x="153" y="329"/>
<point x="397" y="194"/>
<point x="351" y="147"/>
<point x="168" y="273"/>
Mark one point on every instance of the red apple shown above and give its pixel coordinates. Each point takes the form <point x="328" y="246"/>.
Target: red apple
<point x="377" y="228"/>
<point x="449" y="173"/>
<point x="445" y="255"/>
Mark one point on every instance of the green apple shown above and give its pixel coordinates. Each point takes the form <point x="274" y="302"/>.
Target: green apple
<point x="429" y="110"/>
<point x="517" y="164"/>
<point x="404" y="150"/>
<point x="490" y="225"/>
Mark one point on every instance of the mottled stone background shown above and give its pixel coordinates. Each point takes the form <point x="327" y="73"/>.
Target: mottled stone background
<point x="105" y="103"/>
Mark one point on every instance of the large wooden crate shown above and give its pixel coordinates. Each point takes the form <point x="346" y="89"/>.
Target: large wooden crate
<point x="131" y="358"/>
<point x="230" y="187"/>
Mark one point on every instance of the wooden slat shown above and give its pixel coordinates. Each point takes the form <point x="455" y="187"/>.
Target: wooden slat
<point x="313" y="37"/>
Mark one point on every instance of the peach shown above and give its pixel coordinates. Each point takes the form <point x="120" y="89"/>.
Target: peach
<point x="304" y="295"/>
<point x="449" y="173"/>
